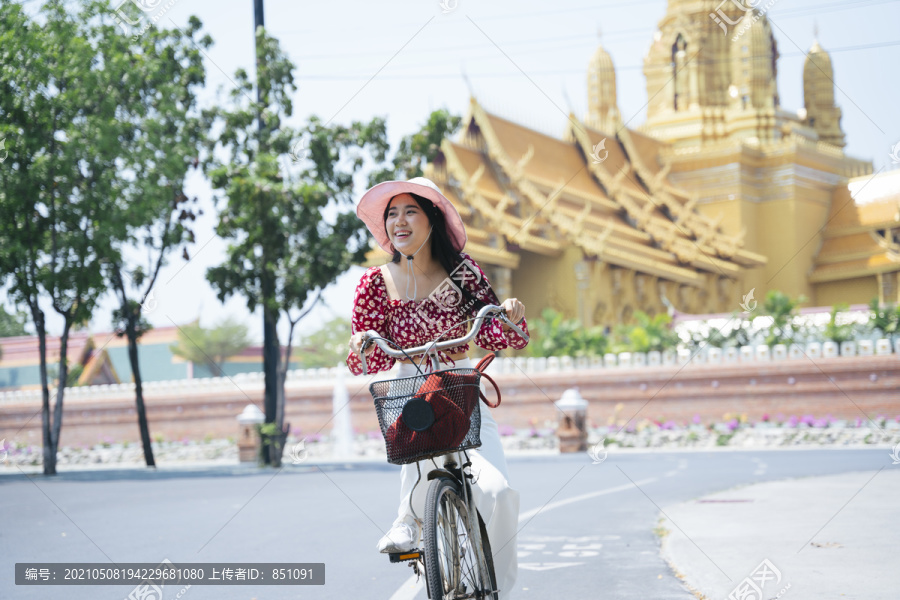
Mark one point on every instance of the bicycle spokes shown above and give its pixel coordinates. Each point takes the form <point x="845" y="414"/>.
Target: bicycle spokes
<point x="457" y="557"/>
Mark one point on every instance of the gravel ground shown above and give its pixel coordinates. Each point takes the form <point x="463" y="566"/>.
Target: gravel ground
<point x="732" y="434"/>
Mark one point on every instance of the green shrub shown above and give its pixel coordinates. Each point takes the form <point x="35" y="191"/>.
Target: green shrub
<point x="648" y="333"/>
<point x="884" y="319"/>
<point x="780" y="307"/>
<point x="554" y="335"/>
<point x="834" y="331"/>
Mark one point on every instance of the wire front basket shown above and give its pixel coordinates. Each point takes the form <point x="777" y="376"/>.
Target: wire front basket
<point x="428" y="415"/>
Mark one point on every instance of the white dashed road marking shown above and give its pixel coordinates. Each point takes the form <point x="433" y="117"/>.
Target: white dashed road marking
<point x="760" y="467"/>
<point x="411" y="588"/>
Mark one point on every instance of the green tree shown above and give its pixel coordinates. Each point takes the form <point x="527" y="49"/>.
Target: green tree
<point x="288" y="232"/>
<point x="12" y="323"/>
<point x="325" y="347"/>
<point x="60" y="121"/>
<point x="781" y="308"/>
<point x="152" y="214"/>
<point x="98" y="123"/>
<point x="554" y="335"/>
<point x="211" y="347"/>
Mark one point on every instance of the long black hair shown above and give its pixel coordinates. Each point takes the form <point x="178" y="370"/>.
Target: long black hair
<point x="442" y="249"/>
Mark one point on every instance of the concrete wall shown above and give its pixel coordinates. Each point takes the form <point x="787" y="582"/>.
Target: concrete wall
<point x="843" y="387"/>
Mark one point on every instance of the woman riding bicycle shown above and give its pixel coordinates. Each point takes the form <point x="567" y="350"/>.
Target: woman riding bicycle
<point x="442" y="287"/>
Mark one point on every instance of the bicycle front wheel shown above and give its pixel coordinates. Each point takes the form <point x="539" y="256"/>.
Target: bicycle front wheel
<point x="455" y="561"/>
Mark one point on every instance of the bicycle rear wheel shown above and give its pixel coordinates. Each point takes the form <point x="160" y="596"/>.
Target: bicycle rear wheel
<point x="456" y="565"/>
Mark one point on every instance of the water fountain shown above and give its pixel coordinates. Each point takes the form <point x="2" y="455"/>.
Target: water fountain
<point x="341" y="428"/>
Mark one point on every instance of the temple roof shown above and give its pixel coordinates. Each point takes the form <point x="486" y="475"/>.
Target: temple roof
<point x="862" y="235"/>
<point x="609" y="194"/>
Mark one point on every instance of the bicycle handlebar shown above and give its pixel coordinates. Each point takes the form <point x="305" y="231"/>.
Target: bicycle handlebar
<point x="372" y="337"/>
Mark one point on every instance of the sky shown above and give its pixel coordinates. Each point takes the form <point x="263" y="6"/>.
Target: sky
<point x="524" y="60"/>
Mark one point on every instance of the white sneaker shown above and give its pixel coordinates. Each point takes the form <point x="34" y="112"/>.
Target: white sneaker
<point x="401" y="538"/>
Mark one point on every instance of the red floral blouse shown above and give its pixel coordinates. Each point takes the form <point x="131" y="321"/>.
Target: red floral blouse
<point x="412" y="323"/>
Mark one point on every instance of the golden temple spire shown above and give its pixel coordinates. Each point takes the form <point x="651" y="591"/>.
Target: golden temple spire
<point x="822" y="114"/>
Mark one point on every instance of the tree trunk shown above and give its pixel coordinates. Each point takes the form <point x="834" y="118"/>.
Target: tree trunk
<point x="282" y="372"/>
<point x="49" y="455"/>
<point x="270" y="364"/>
<point x="131" y="334"/>
<point x="60" y="389"/>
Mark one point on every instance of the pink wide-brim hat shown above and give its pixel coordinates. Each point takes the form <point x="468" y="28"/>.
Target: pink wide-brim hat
<point x="372" y="205"/>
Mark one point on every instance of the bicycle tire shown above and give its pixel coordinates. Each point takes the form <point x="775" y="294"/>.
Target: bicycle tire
<point x="454" y="567"/>
<point x="488" y="557"/>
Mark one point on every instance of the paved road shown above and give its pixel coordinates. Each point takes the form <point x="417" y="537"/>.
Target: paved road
<point x="587" y="531"/>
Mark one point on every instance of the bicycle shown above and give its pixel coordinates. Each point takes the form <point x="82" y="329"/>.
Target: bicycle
<point x="456" y="558"/>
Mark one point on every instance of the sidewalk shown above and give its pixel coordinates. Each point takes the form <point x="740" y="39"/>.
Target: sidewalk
<point x="824" y="537"/>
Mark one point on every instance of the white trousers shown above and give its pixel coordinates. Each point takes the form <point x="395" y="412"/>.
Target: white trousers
<point x="497" y="502"/>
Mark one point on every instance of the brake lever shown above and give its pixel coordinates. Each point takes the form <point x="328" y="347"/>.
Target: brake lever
<point x="513" y="326"/>
<point x="362" y="353"/>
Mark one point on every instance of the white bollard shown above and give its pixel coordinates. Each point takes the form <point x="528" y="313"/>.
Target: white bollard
<point x="669" y="358"/>
<point x="747" y="353"/>
<point x="553" y="364"/>
<point x="684" y="356"/>
<point x="779" y="352"/>
<point x="625" y="359"/>
<point x="829" y="350"/>
<point x="639" y="359"/>
<point x="763" y="353"/>
<point x="581" y="363"/>
<point x="883" y="347"/>
<point x="654" y="358"/>
<point x="865" y="348"/>
<point x="795" y="352"/>
<point x="848" y="348"/>
<point x="814" y="350"/>
<point x="609" y="360"/>
<point x="731" y="354"/>
<point x="596" y="362"/>
<point x="714" y="355"/>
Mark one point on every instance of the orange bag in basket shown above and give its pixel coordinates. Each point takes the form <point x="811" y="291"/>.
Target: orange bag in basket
<point x="437" y="418"/>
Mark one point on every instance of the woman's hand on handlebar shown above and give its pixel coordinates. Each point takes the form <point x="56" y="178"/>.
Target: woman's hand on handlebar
<point x="356" y="342"/>
<point x="515" y="310"/>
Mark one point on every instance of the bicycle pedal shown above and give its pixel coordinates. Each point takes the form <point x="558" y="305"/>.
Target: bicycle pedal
<point x="404" y="556"/>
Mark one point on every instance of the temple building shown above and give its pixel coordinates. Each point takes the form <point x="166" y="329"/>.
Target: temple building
<point x="721" y="191"/>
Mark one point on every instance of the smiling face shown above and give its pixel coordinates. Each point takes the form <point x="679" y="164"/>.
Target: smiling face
<point x="406" y="224"/>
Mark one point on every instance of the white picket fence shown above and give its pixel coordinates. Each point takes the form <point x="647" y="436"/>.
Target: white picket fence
<point x="300" y="378"/>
